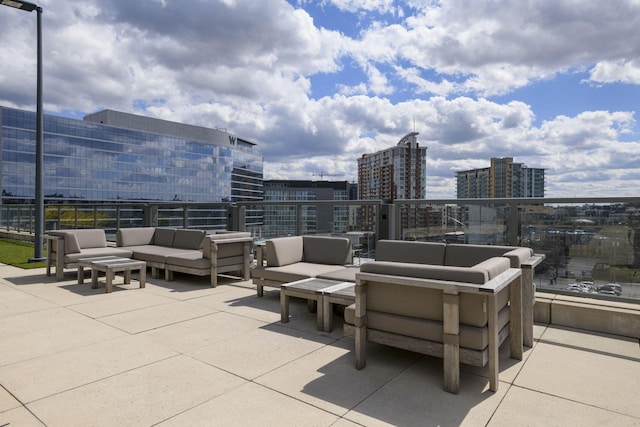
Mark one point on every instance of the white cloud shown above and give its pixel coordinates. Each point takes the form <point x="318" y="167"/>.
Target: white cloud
<point x="250" y="66"/>
<point x="622" y="71"/>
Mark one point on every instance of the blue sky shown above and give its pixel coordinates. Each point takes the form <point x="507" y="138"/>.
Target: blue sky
<point x="554" y="84"/>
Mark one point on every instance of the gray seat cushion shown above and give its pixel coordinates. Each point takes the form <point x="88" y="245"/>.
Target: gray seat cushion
<point x="347" y="274"/>
<point x="96" y="252"/>
<point x="154" y="253"/>
<point x="292" y="272"/>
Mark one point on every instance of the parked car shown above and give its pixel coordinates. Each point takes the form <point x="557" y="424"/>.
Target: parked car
<point x="610" y="289"/>
<point x="585" y="287"/>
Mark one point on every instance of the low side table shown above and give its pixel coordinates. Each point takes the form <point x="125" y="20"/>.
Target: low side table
<point x="86" y="263"/>
<point x="112" y="266"/>
<point x="310" y="289"/>
<point x="342" y="294"/>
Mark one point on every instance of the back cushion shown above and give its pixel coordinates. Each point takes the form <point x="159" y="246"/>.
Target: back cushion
<point x="413" y="252"/>
<point x="90" y="238"/>
<point x="188" y="239"/>
<point x="284" y="251"/>
<point x="327" y="250"/>
<point x="494" y="266"/>
<point x="426" y="303"/>
<point x="136" y="236"/>
<point x="473" y="275"/>
<point x="518" y="255"/>
<point x="468" y="255"/>
<point x="71" y="245"/>
<point x="164" y="236"/>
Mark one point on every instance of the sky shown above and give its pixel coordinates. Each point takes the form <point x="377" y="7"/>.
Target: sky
<point x="316" y="84"/>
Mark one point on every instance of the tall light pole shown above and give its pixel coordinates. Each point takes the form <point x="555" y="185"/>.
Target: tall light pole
<point x="39" y="199"/>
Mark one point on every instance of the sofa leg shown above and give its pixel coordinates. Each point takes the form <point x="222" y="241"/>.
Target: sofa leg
<point x="214" y="279"/>
<point x="60" y="259"/>
<point x="451" y="338"/>
<point x="493" y="343"/>
<point x="528" y="296"/>
<point x="361" y="347"/>
<point x="260" y="290"/>
<point x="168" y="275"/>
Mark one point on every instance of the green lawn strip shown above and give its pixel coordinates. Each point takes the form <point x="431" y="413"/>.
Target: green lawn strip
<point x="17" y="253"/>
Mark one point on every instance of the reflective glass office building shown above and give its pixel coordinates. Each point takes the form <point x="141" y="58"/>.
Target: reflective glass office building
<point x="115" y="156"/>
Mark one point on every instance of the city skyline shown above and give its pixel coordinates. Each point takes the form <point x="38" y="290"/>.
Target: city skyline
<point x="316" y="84"/>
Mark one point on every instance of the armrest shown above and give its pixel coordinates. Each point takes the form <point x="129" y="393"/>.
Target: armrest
<point x="533" y="261"/>
<point x="215" y="243"/>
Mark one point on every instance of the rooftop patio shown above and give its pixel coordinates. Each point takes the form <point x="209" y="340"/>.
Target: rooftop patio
<point x="183" y="353"/>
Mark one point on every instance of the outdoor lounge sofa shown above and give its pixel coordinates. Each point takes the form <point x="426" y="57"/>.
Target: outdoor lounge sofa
<point x="66" y="247"/>
<point x="188" y="251"/>
<point x="221" y="253"/>
<point x="421" y="297"/>
<point x="300" y="257"/>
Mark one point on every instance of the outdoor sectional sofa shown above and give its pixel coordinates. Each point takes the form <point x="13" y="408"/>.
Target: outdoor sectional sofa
<point x="188" y="251"/>
<point x="300" y="257"/>
<point x="458" y="302"/>
<point x="172" y="250"/>
<point x="66" y="247"/>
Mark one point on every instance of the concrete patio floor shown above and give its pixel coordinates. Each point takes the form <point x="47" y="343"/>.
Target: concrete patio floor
<point x="184" y="354"/>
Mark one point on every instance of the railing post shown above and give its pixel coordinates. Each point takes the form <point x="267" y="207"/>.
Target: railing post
<point x="185" y="216"/>
<point x="387" y="222"/>
<point x="150" y="216"/>
<point x="237" y="220"/>
<point x="513" y="228"/>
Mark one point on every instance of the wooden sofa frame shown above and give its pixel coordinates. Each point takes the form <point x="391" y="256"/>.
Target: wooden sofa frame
<point x="244" y="267"/>
<point x="449" y="349"/>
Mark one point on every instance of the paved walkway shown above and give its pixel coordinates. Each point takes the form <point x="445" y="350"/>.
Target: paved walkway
<point x="184" y="354"/>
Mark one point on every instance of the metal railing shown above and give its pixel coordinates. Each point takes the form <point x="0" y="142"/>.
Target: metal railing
<point x="592" y="245"/>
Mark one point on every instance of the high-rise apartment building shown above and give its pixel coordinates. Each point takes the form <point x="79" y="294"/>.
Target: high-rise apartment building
<point x="283" y="219"/>
<point x="116" y="156"/>
<point x="395" y="173"/>
<point x="503" y="179"/>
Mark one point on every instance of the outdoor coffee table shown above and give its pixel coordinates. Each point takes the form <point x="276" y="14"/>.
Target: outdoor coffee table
<point x="112" y="265"/>
<point x="310" y="289"/>
<point x="342" y="294"/>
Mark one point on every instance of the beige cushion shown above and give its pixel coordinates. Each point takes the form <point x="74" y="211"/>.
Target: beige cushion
<point x="326" y="250"/>
<point x="438" y="272"/>
<point x="426" y="303"/>
<point x="284" y="251"/>
<point x="135" y="236"/>
<point x="292" y="272"/>
<point x="347" y="274"/>
<point x="463" y="255"/>
<point x="156" y="253"/>
<point x="164" y="236"/>
<point x="191" y="259"/>
<point x="97" y="252"/>
<point x="413" y="252"/>
<point x="188" y="239"/>
<point x="71" y="244"/>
